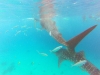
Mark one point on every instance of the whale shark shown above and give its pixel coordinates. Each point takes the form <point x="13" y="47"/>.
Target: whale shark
<point x="70" y="54"/>
<point x="47" y="13"/>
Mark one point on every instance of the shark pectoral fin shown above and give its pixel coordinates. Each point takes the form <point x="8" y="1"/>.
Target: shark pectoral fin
<point x="60" y="60"/>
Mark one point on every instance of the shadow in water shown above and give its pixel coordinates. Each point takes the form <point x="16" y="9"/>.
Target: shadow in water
<point x="9" y="69"/>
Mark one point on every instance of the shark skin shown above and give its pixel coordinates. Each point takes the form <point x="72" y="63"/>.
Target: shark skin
<point x="50" y="26"/>
<point x="70" y="54"/>
<point x="46" y="13"/>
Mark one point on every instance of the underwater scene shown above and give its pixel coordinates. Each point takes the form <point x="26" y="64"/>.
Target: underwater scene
<point x="49" y="37"/>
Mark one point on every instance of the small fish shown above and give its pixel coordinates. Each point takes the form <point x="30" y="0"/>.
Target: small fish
<point x="32" y="63"/>
<point x="50" y="33"/>
<point x="33" y="19"/>
<point x="15" y="26"/>
<point x="25" y="34"/>
<point x="38" y="29"/>
<point x="98" y="19"/>
<point x="56" y="49"/>
<point x="28" y="27"/>
<point x="43" y="54"/>
<point x="24" y="26"/>
<point x="6" y="31"/>
<point x="30" y="18"/>
<point x="19" y="63"/>
<point x="80" y="63"/>
<point x="17" y="32"/>
<point x="75" y="3"/>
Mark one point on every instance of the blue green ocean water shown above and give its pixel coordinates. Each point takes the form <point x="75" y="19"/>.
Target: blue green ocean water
<point x="20" y="37"/>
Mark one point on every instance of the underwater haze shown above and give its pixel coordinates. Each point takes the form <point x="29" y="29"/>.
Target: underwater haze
<point x="25" y="46"/>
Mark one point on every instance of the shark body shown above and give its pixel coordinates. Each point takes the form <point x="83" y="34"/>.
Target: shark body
<point x="47" y="13"/>
<point x="70" y="54"/>
<point x="50" y="26"/>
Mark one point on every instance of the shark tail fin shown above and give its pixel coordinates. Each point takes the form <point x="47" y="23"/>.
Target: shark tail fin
<point x="74" y="41"/>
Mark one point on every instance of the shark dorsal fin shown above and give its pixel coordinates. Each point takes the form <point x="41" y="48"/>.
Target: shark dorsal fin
<point x="60" y="60"/>
<point x="74" y="41"/>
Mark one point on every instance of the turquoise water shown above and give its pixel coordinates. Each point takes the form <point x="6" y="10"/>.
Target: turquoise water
<point x="20" y="39"/>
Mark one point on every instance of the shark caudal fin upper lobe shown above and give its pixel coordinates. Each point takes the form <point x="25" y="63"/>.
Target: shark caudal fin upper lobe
<point x="74" y="41"/>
